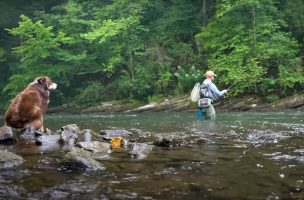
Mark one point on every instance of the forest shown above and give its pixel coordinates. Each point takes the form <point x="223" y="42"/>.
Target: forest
<point x="144" y="50"/>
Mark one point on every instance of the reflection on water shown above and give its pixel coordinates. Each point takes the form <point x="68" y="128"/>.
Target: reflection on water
<point x="243" y="156"/>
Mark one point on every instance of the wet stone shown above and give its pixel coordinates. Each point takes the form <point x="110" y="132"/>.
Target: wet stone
<point x="27" y="134"/>
<point x="202" y="141"/>
<point x="169" y="141"/>
<point x="95" y="146"/>
<point x="85" y="135"/>
<point x="69" y="134"/>
<point x="47" y="140"/>
<point x="265" y="137"/>
<point x="46" y="163"/>
<point x="6" y="134"/>
<point x="116" y="133"/>
<point x="80" y="159"/>
<point x="140" y="150"/>
<point x="9" y="159"/>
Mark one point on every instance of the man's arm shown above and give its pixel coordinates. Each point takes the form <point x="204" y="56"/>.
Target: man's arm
<point x="215" y="91"/>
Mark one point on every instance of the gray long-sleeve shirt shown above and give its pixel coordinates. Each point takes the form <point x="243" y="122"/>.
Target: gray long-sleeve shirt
<point x="213" y="88"/>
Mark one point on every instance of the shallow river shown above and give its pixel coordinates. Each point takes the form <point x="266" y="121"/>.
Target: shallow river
<point x="243" y="156"/>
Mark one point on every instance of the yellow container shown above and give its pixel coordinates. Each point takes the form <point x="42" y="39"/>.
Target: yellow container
<point x="116" y="142"/>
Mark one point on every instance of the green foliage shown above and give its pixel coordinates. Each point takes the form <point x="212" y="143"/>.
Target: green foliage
<point x="178" y="23"/>
<point x="2" y="55"/>
<point x="155" y="98"/>
<point x="186" y="79"/>
<point x="272" y="98"/>
<point x="249" y="48"/>
<point x="92" y="94"/>
<point x="127" y="49"/>
<point x="293" y="14"/>
<point x="38" y="45"/>
<point x="138" y="88"/>
<point x="163" y="81"/>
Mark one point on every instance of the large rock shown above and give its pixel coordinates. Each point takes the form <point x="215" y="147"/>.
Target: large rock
<point x="115" y="133"/>
<point x="292" y="102"/>
<point x="48" y="141"/>
<point x="95" y="146"/>
<point x="80" y="159"/>
<point x="69" y="134"/>
<point x="7" y="135"/>
<point x="9" y="159"/>
<point x="140" y="150"/>
<point x="85" y="135"/>
<point x="247" y="103"/>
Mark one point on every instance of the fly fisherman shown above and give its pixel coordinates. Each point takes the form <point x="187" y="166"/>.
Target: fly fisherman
<point x="208" y="94"/>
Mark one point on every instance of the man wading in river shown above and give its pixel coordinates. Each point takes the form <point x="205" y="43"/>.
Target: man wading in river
<point x="208" y="94"/>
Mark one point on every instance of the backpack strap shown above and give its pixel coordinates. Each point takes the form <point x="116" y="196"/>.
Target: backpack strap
<point x="206" y="92"/>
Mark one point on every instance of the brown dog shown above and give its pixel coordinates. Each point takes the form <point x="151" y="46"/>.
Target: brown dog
<point x="29" y="106"/>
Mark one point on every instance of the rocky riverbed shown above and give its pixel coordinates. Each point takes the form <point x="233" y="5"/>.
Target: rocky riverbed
<point x="156" y="155"/>
<point x="83" y="148"/>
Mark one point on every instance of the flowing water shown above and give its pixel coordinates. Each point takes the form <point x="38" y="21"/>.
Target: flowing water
<point x="243" y="156"/>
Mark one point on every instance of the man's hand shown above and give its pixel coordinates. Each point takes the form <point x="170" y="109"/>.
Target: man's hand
<point x="225" y="91"/>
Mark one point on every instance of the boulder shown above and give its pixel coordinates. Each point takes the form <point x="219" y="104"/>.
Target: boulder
<point x="116" y="133"/>
<point x="69" y="134"/>
<point x="140" y="150"/>
<point x="85" y="135"/>
<point x="80" y="159"/>
<point x="9" y="159"/>
<point x="95" y="146"/>
<point x="291" y="102"/>
<point x="7" y="135"/>
<point x="88" y="135"/>
<point x="48" y="141"/>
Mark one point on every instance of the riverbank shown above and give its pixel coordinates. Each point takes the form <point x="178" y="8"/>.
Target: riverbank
<point x="183" y="103"/>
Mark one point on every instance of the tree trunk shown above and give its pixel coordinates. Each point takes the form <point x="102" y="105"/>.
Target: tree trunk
<point x="131" y="67"/>
<point x="205" y="17"/>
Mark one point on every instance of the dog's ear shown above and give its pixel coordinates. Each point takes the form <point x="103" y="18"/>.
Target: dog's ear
<point x="41" y="80"/>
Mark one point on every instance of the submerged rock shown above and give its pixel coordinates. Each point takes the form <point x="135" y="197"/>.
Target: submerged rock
<point x="169" y="141"/>
<point x="9" y="159"/>
<point x="258" y="137"/>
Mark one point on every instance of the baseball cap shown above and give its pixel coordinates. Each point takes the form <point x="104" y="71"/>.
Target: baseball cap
<point x="210" y="73"/>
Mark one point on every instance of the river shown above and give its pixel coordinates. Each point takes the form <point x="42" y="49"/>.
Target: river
<point x="244" y="155"/>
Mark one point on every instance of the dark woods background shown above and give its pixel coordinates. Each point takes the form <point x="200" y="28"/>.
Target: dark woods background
<point x="102" y="50"/>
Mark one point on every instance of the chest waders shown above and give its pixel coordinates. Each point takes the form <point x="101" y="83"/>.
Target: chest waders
<point x="205" y="109"/>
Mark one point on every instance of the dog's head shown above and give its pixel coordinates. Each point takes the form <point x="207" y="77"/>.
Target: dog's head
<point x="46" y="82"/>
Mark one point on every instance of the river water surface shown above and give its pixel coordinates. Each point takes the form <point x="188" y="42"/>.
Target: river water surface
<point x="244" y="155"/>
